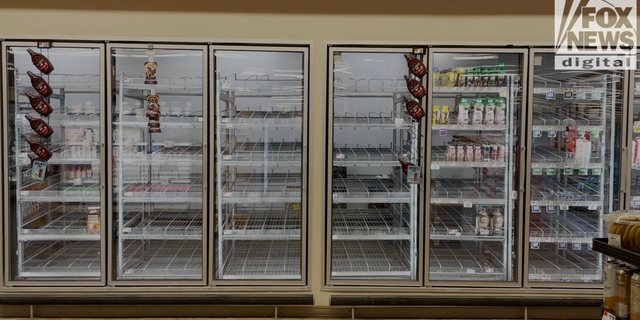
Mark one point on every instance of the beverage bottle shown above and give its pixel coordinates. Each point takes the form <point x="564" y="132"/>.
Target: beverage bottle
<point x="39" y="126"/>
<point x="414" y="108"/>
<point x="634" y="299"/>
<point x="40" y="84"/>
<point x="39" y="149"/>
<point x="405" y="165"/>
<point x="610" y="284"/>
<point x="41" y="62"/>
<point x="415" y="87"/>
<point x="415" y="66"/>
<point x="39" y="105"/>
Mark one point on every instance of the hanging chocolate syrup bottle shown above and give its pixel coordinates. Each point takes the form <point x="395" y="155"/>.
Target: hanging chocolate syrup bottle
<point x="415" y="87"/>
<point x="39" y="126"/>
<point x="414" y="108"/>
<point x="415" y="66"/>
<point x="39" y="104"/>
<point x="405" y="165"/>
<point x="41" y="62"/>
<point x="39" y="149"/>
<point x="35" y="158"/>
<point x="40" y="84"/>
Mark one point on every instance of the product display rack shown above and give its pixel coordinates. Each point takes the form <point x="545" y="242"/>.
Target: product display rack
<point x="461" y="249"/>
<point x="158" y="175"/>
<point x="52" y="241"/>
<point x="571" y="185"/>
<point x="261" y="164"/>
<point x="374" y="215"/>
<point x="633" y="135"/>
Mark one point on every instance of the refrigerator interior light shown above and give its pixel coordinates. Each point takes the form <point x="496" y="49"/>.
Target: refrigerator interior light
<point x="476" y="57"/>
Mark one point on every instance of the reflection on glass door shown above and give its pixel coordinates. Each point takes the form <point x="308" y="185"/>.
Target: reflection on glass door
<point x="53" y="106"/>
<point x="375" y="151"/>
<point x="634" y="141"/>
<point x="475" y="135"/>
<point x="261" y="165"/>
<point x="574" y="154"/>
<point x="159" y="163"/>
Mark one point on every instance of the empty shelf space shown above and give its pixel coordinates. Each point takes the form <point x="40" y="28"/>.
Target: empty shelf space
<point x="455" y="190"/>
<point x="193" y="121"/>
<point x="455" y="223"/>
<point x="262" y="153"/>
<point x="571" y="188"/>
<point x="58" y="225"/>
<point x="60" y="192"/>
<point x="548" y="265"/>
<point x="259" y="187"/>
<point x="464" y="261"/>
<point x="44" y="259"/>
<point x="179" y="154"/>
<point x="369" y="87"/>
<point x="174" y="193"/>
<point x="259" y="118"/>
<point x="366" y="156"/>
<point x="260" y="84"/>
<point x="161" y="260"/>
<point x="250" y="260"/>
<point x="370" y="260"/>
<point x="392" y="223"/>
<point x="262" y="223"/>
<point x="164" y="224"/>
<point x="373" y="120"/>
<point x="371" y="189"/>
<point x="548" y="155"/>
<point x="569" y="227"/>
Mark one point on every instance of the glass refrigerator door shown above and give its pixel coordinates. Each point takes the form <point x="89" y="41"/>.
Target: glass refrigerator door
<point x="474" y="179"/>
<point x="52" y="111"/>
<point x="374" y="146"/>
<point x="159" y="162"/>
<point x="261" y="112"/>
<point x="634" y="141"/>
<point x="571" y="169"/>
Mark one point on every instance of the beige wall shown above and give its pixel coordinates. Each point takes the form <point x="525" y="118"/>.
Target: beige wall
<point x="317" y="21"/>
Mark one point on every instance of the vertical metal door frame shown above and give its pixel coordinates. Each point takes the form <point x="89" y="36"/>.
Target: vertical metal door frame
<point x="329" y="181"/>
<point x="6" y="160"/>
<point x="205" y="161"/>
<point x="305" y="50"/>
<point x="625" y="162"/>
<point x="527" y="207"/>
<point x="517" y="211"/>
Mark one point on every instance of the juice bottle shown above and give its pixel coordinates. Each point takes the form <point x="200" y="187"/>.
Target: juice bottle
<point x="41" y="62"/>
<point x="610" y="284"/>
<point x="39" y="105"/>
<point x="623" y="291"/>
<point x="634" y="299"/>
<point x="436" y="115"/>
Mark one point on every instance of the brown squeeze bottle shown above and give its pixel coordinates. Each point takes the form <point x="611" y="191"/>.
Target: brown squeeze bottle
<point x="415" y="66"/>
<point x="39" y="149"/>
<point x="35" y="158"/>
<point x="39" y="126"/>
<point x="39" y="105"/>
<point x="41" y="62"/>
<point x="40" y="85"/>
<point x="405" y="165"/>
<point x="414" y="108"/>
<point x="415" y="87"/>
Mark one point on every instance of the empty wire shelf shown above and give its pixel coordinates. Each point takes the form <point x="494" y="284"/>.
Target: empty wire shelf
<point x="549" y="265"/>
<point x="160" y="193"/>
<point x="164" y="224"/>
<point x="570" y="227"/>
<point x="256" y="188"/>
<point x="60" y="192"/>
<point x="177" y="154"/>
<point x="583" y="115"/>
<point x="372" y="120"/>
<point x="370" y="259"/>
<point x="548" y="155"/>
<point x="60" y="225"/>
<point x="570" y="188"/>
<point x="391" y="223"/>
<point x="162" y="259"/>
<point x="45" y="259"/>
<point x="464" y="261"/>
<point x="193" y="121"/>
<point x="366" y="156"/>
<point x="455" y="223"/>
<point x="251" y="260"/>
<point x="456" y="190"/>
<point x="263" y="223"/>
<point x="258" y="118"/>
<point x="262" y="153"/>
<point x="371" y="189"/>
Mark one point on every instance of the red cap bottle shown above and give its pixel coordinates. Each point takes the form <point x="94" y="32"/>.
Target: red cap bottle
<point x="39" y="149"/>
<point x="414" y="108"/>
<point x="39" y="104"/>
<point x="39" y="126"/>
<point x="40" y="84"/>
<point x="405" y="165"/>
<point x="41" y="62"/>
<point x="415" y="87"/>
<point x="415" y="66"/>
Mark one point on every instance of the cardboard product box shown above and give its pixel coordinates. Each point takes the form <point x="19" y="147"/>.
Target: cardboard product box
<point x="93" y="220"/>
